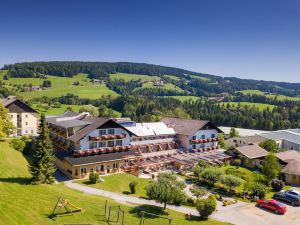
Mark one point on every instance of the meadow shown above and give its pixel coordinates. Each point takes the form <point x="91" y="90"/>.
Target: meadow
<point x="260" y="106"/>
<point x="62" y="86"/>
<point x="24" y="203"/>
<point x="128" y="77"/>
<point x="184" y="97"/>
<point x="279" y="97"/>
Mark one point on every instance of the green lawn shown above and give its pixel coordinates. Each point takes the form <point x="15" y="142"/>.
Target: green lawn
<point x="279" y="97"/>
<point x="260" y="106"/>
<point x="23" y="203"/>
<point x="129" y="77"/>
<point x="55" y="111"/>
<point x="120" y="183"/>
<point x="185" y="97"/>
<point x="62" y="86"/>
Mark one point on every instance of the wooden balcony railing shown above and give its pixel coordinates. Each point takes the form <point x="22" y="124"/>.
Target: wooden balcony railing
<point x="107" y="137"/>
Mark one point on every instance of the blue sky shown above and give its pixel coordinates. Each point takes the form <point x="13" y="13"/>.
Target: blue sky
<point x="257" y="39"/>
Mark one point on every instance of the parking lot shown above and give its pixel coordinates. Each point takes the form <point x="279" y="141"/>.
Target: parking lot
<point x="248" y="214"/>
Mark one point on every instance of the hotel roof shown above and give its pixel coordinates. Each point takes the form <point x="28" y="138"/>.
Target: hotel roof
<point x="150" y="129"/>
<point x="252" y="151"/>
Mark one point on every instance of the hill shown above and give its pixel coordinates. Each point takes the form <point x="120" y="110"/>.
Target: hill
<point x="23" y="203"/>
<point x="199" y="84"/>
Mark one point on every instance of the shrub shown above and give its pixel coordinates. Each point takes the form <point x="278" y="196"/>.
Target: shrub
<point x="211" y="175"/>
<point x="18" y="144"/>
<point x="257" y="189"/>
<point x="94" y="177"/>
<point x="198" y="191"/>
<point x="190" y="202"/>
<point x="277" y="184"/>
<point x="237" y="162"/>
<point x="206" y="207"/>
<point x="231" y="181"/>
<point x="132" y="186"/>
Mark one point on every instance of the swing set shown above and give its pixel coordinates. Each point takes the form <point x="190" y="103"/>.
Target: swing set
<point x="70" y="208"/>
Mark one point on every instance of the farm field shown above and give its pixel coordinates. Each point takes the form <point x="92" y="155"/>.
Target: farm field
<point x="260" y="106"/>
<point x="120" y="183"/>
<point x="173" y="77"/>
<point x="129" y="77"/>
<point x="62" y="86"/>
<point x="167" y="86"/>
<point x="23" y="203"/>
<point x="184" y="97"/>
<point x="199" y="77"/>
<point x="279" y="97"/>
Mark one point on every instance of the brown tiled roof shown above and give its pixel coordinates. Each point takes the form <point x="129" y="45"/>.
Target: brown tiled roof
<point x="74" y="161"/>
<point x="288" y="155"/>
<point x="252" y="151"/>
<point x="187" y="127"/>
<point x="293" y="167"/>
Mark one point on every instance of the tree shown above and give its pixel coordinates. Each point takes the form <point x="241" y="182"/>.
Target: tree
<point x="198" y="191"/>
<point x="269" y="145"/>
<point x="233" y="133"/>
<point x="211" y="175"/>
<point x="47" y="83"/>
<point x="132" y="186"/>
<point x="167" y="189"/>
<point x="221" y="141"/>
<point x="90" y="109"/>
<point x="231" y="181"/>
<point x="6" y="126"/>
<point x="206" y="207"/>
<point x="104" y="111"/>
<point x="94" y="177"/>
<point x="42" y="166"/>
<point x="277" y="184"/>
<point x="270" y="167"/>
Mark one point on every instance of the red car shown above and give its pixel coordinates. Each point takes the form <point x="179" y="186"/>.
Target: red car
<point x="272" y="205"/>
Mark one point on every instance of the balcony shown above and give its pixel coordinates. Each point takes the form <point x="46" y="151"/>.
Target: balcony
<point x="97" y="151"/>
<point x="197" y="141"/>
<point x="107" y="137"/>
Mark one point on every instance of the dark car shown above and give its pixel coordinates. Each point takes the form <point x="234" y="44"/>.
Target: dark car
<point x="272" y="205"/>
<point x="287" y="197"/>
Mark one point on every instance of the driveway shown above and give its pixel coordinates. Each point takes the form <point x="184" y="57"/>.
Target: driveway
<point x="239" y="214"/>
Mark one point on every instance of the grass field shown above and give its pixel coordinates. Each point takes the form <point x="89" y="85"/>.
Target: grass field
<point x="167" y="86"/>
<point x="23" y="203"/>
<point x="120" y="183"/>
<point x="129" y="77"/>
<point x="185" y="97"/>
<point x="173" y="77"/>
<point x="279" y="97"/>
<point x="260" y="106"/>
<point x="62" y="86"/>
<point x="55" y="111"/>
<point x="199" y="77"/>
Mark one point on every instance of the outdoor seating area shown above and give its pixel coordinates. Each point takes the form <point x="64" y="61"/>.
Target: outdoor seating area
<point x="190" y="159"/>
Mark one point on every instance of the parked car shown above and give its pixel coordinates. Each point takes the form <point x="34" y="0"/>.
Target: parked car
<point x="288" y="196"/>
<point x="293" y="192"/>
<point x="272" y="205"/>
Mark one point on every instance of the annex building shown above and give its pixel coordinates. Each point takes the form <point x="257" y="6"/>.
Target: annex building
<point x="84" y="144"/>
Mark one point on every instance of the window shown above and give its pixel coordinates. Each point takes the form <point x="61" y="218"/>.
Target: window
<point x="116" y="165"/>
<point x="102" y="168"/>
<point x="202" y="146"/>
<point x="91" y="170"/>
<point x="203" y="136"/>
<point x="12" y="116"/>
<point x="110" y="143"/>
<point x="102" y="144"/>
<point x="32" y="131"/>
<point x="213" y="135"/>
<point x="193" y="146"/>
<point x="118" y="142"/>
<point x="26" y="123"/>
<point x="26" y="116"/>
<point x="194" y="138"/>
<point x="111" y="131"/>
<point x="93" y="145"/>
<point x="26" y="131"/>
<point x="97" y="168"/>
<point x="83" y="170"/>
<point x="102" y="132"/>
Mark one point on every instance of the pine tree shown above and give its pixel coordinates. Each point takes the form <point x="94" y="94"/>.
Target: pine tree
<point x="42" y="166"/>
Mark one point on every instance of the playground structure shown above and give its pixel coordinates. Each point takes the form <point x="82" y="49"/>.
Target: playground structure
<point x="67" y="205"/>
<point x="147" y="215"/>
<point x="113" y="214"/>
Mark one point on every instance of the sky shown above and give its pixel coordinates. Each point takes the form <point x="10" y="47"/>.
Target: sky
<point x="255" y="39"/>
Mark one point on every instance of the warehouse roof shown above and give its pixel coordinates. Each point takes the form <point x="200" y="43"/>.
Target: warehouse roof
<point x="292" y="135"/>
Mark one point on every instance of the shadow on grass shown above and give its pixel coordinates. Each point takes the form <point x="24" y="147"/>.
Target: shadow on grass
<point x="159" y="211"/>
<point x="17" y="180"/>
<point x="126" y="192"/>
